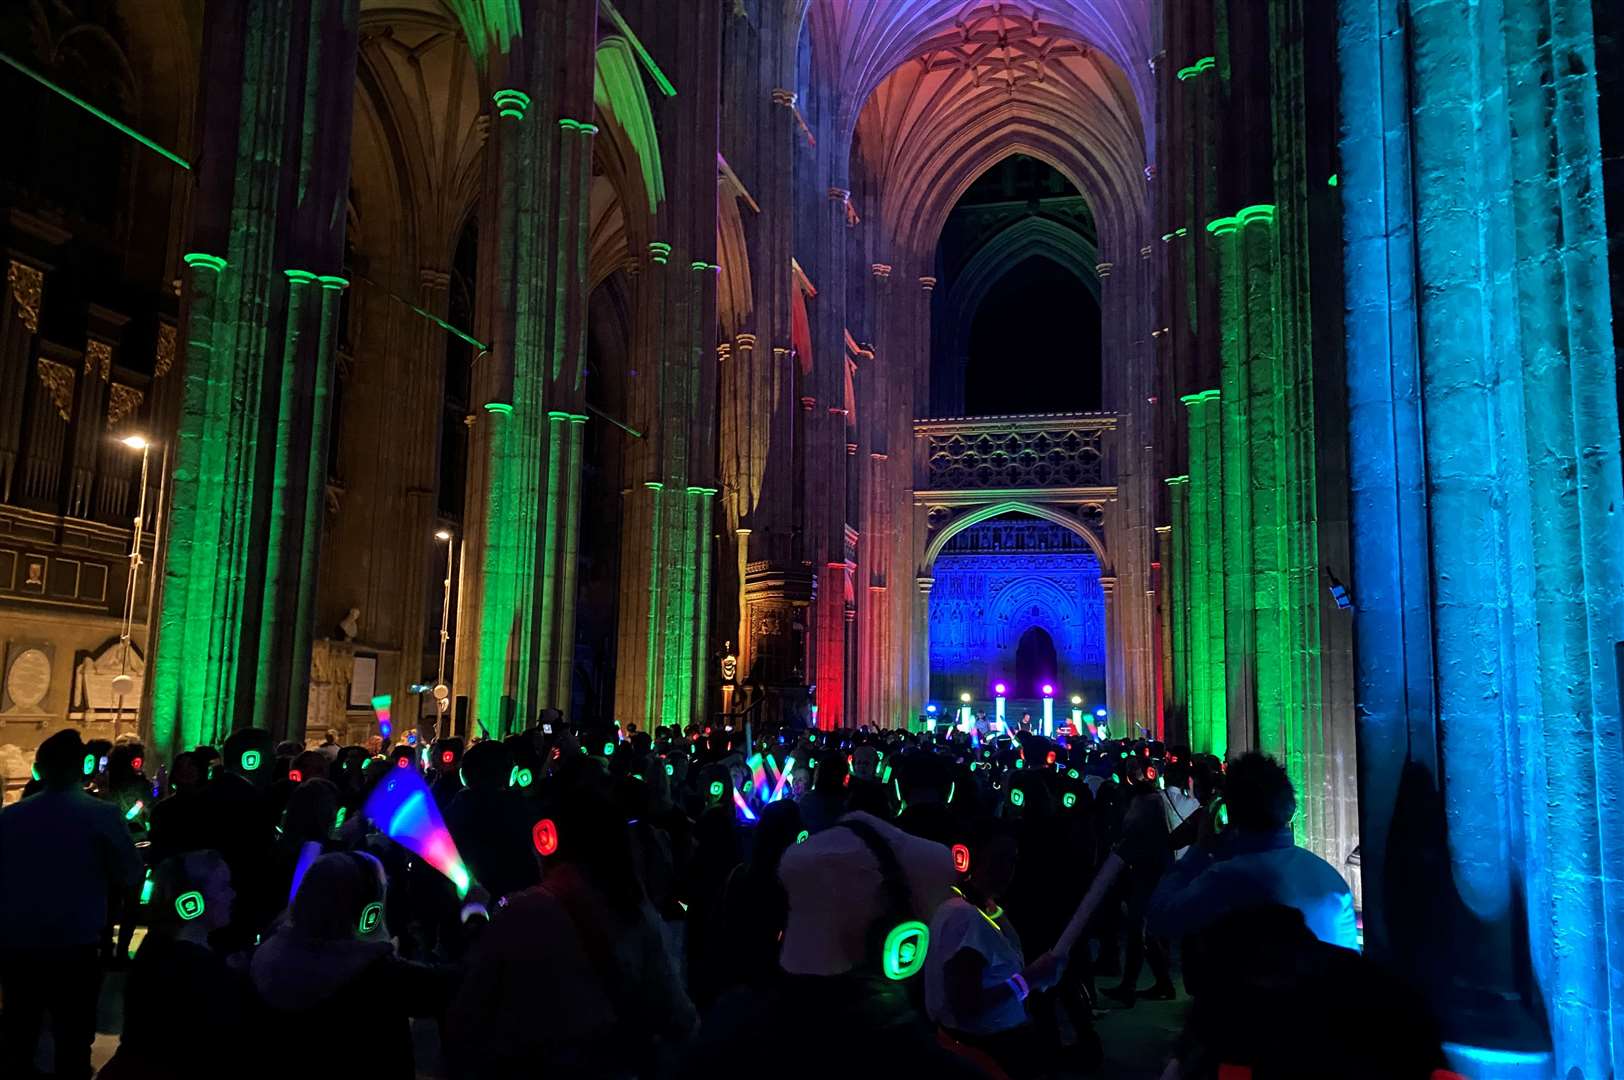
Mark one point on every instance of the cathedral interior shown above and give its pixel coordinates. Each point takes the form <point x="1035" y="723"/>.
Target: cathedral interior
<point x="1244" y="371"/>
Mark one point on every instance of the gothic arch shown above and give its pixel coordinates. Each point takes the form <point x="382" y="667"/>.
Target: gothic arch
<point x="1014" y="506"/>
<point x="1023" y="239"/>
<point x="625" y="116"/>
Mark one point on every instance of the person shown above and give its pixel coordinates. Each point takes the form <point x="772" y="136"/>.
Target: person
<point x="490" y="822"/>
<point x="832" y="968"/>
<point x="334" y="958"/>
<point x="1146" y="851"/>
<point x="185" y="1011"/>
<point x="976" y="975"/>
<point x="572" y="979"/>
<point x="63" y="855"/>
<point x="1253" y="862"/>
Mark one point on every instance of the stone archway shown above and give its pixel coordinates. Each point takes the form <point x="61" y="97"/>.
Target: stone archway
<point x="1051" y="467"/>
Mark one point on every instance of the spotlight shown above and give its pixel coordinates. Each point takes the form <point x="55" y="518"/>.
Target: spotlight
<point x="999" y="688"/>
<point x="134" y="442"/>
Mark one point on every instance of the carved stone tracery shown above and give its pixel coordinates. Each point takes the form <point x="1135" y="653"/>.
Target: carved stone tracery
<point x="1065" y="457"/>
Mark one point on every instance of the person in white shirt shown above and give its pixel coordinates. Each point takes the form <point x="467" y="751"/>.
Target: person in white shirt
<point x="976" y="975"/>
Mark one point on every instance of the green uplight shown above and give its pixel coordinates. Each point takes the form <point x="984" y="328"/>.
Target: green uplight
<point x="1206" y="63"/>
<point x="499" y="407"/>
<point x="511" y="103"/>
<point x="97" y="113"/>
<point x="203" y="259"/>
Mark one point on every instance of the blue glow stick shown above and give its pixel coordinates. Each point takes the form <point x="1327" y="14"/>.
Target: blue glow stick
<point x="309" y="852"/>
<point x="744" y="807"/>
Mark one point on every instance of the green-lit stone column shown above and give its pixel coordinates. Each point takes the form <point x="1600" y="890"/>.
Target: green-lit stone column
<point x="568" y="500"/>
<point x="514" y="441"/>
<point x="1176" y="575"/>
<point x="185" y="696"/>
<point x="1208" y="707"/>
<point x="1239" y="652"/>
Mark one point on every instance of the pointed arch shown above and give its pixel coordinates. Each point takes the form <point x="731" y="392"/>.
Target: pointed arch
<point x="622" y="103"/>
<point x="1016" y="506"/>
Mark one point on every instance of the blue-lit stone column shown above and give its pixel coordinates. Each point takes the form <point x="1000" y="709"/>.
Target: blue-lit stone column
<point x="1487" y="523"/>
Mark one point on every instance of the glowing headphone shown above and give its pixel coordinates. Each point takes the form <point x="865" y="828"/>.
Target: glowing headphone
<point x="961" y="858"/>
<point x="90" y="764"/>
<point x="370" y="915"/>
<point x="899" y="939"/>
<point x="1069" y="799"/>
<point x="545" y="836"/>
<point x="189" y="905"/>
<point x="250" y="760"/>
<point x="296" y="776"/>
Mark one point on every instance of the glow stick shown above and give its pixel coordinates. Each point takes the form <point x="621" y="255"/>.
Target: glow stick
<point x="402" y="808"/>
<point x="1092" y="899"/>
<point x="758" y="775"/>
<point x="309" y="852"/>
<point x="772" y="770"/>
<point x="380" y="705"/>
<point x="744" y="807"/>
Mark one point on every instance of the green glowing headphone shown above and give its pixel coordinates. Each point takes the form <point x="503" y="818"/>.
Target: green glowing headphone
<point x="899" y="940"/>
<point x="90" y="764"/>
<point x="370" y="915"/>
<point x="189" y="905"/>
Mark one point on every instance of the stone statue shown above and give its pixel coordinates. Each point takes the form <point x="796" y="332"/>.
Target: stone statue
<point x="349" y="627"/>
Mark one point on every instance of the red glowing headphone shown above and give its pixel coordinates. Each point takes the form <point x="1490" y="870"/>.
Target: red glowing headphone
<point x="545" y="836"/>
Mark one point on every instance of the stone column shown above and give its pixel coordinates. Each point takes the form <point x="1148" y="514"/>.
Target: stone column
<point x="1209" y="732"/>
<point x="1176" y="609"/>
<point x="1115" y="664"/>
<point x="1484" y="439"/>
<point x="267" y="242"/>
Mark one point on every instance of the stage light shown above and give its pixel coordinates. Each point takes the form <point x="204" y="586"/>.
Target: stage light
<point x="134" y="442"/>
<point x="1076" y="699"/>
<point x="1099" y="712"/>
<point x="1048" y="689"/>
<point x="999" y="688"/>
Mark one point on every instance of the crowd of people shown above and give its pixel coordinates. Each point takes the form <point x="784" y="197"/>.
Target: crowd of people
<point x="681" y="903"/>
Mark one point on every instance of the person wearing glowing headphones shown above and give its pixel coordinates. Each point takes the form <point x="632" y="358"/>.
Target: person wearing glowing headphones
<point x="63" y="853"/>
<point x="185" y="1011"/>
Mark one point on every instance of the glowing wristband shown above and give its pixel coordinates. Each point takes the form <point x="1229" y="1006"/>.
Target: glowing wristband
<point x="1017" y="983"/>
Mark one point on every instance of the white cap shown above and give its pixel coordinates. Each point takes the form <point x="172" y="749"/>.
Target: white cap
<point x="833" y="883"/>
